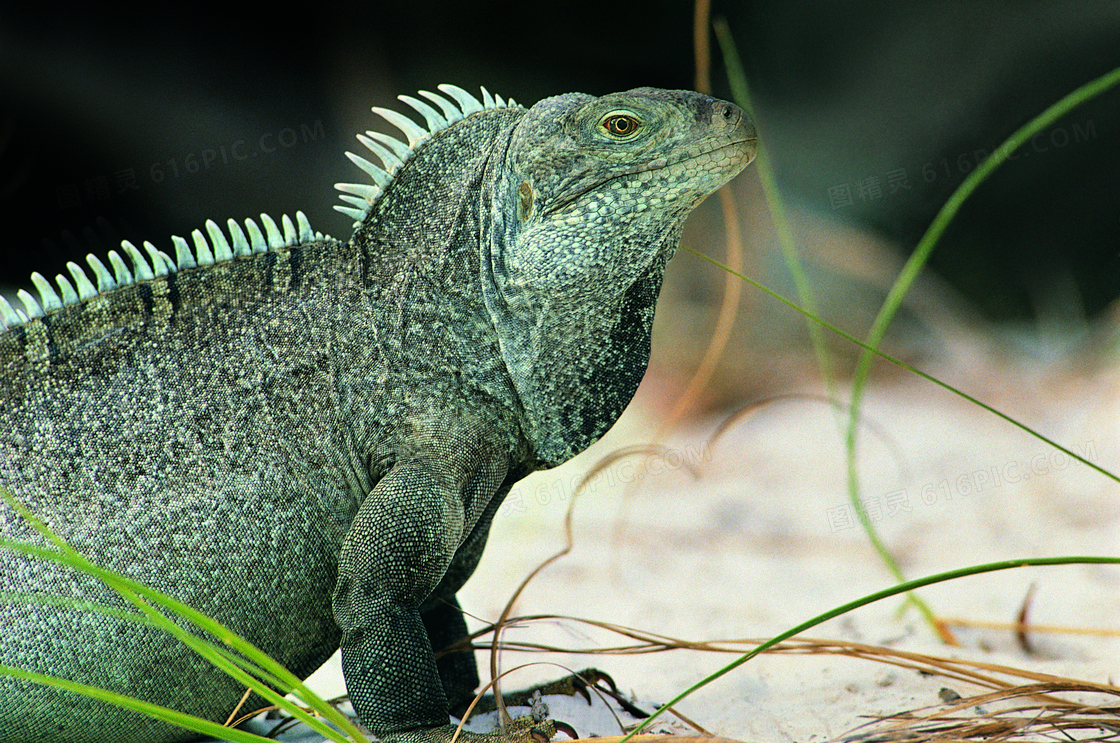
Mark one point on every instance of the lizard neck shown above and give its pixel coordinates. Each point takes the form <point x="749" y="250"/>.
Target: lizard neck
<point x="575" y="364"/>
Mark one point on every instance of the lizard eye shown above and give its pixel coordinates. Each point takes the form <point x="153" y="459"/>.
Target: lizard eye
<point x="620" y="125"/>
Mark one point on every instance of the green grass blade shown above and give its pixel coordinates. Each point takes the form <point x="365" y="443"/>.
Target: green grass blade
<point x="146" y="619"/>
<point x="254" y="662"/>
<point x="903" y="365"/>
<point x="233" y="665"/>
<point x="917" y="261"/>
<point x="165" y="714"/>
<point x="64" y="602"/>
<point x="920" y="256"/>
<point x="741" y="92"/>
<point x="871" y="598"/>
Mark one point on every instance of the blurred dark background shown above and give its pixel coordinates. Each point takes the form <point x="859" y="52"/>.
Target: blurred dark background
<point x="873" y="113"/>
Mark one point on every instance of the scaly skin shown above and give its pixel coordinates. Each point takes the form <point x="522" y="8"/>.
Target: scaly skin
<point x="308" y="441"/>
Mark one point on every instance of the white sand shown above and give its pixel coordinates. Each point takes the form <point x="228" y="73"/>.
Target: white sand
<point x="764" y="540"/>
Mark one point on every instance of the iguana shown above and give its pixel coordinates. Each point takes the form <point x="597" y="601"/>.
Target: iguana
<point x="307" y="438"/>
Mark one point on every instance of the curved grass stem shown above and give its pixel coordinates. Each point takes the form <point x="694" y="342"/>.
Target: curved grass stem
<point x="899" y="289"/>
<point x="864" y="601"/>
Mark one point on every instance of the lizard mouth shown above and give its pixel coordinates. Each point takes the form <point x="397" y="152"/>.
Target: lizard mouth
<point x="659" y="163"/>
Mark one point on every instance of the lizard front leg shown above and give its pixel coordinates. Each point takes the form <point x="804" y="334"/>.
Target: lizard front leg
<point x="458" y="671"/>
<point x="397" y="550"/>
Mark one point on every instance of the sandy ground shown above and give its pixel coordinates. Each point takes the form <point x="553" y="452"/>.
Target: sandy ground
<point x="749" y="535"/>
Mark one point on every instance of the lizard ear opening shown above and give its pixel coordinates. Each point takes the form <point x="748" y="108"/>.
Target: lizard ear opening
<point x="525" y="191"/>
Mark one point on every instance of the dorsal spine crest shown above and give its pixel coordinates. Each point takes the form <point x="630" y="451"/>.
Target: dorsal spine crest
<point x="157" y="263"/>
<point x="393" y="153"/>
<point x="214" y="246"/>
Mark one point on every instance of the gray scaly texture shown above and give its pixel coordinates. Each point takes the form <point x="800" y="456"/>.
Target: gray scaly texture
<point x="306" y="438"/>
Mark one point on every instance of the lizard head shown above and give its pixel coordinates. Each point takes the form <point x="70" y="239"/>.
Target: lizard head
<point x="588" y="207"/>
<point x="596" y="188"/>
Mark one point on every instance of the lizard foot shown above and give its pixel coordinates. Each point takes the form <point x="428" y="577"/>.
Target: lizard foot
<point x="580" y="683"/>
<point x="521" y="730"/>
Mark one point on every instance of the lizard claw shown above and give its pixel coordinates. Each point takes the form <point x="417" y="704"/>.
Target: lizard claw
<point x="528" y="730"/>
<point x="588" y="677"/>
<point x="631" y="709"/>
<point x="566" y="729"/>
<point x="583" y="683"/>
<point x="580" y="683"/>
<point x="591" y="677"/>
